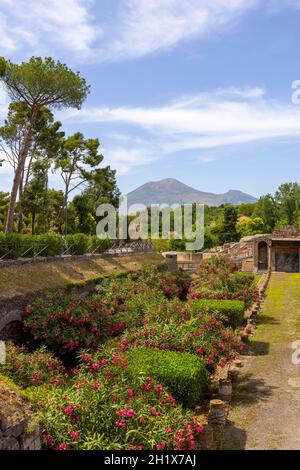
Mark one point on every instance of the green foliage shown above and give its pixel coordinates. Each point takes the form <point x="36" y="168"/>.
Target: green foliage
<point x="219" y="279"/>
<point x="4" y="202"/>
<point x="44" y="82"/>
<point x="267" y="209"/>
<point x="232" y="310"/>
<point x="101" y="411"/>
<point x="15" y="245"/>
<point x="228" y="232"/>
<point x="247" y="226"/>
<point x="183" y="373"/>
<point x="27" y="369"/>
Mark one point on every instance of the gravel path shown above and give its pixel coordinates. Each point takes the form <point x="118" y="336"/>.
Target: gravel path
<point x="265" y="411"/>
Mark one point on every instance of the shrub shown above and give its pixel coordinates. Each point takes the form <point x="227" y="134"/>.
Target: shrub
<point x="15" y="245"/>
<point x="216" y="279"/>
<point x="103" y="411"/>
<point x="184" y="374"/>
<point x="65" y="323"/>
<point x="232" y="310"/>
<point x="27" y="369"/>
<point x="205" y="336"/>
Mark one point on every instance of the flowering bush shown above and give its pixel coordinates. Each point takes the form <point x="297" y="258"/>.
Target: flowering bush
<point x="27" y="369"/>
<point x="65" y="323"/>
<point x="105" y="411"/>
<point x="204" y="335"/>
<point x="231" y="310"/>
<point x="216" y="279"/>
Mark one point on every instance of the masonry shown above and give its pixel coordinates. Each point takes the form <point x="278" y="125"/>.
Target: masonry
<point x="276" y="252"/>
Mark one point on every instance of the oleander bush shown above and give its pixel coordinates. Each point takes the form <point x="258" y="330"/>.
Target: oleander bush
<point x="204" y="336"/>
<point x="102" y="408"/>
<point x="32" y="368"/>
<point x="122" y="367"/>
<point x="231" y="310"/>
<point x="218" y="279"/>
<point x="183" y="373"/>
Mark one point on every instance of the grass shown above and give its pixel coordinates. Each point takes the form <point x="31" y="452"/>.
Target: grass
<point x="263" y="401"/>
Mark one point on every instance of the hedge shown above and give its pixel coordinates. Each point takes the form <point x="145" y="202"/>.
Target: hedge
<point x="15" y="245"/>
<point x="183" y="373"/>
<point x="233" y="310"/>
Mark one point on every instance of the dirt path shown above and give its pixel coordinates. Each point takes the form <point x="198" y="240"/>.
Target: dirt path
<point x="265" y="410"/>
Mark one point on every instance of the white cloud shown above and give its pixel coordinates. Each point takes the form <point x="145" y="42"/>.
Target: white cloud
<point x="204" y="121"/>
<point x="147" y="26"/>
<point x="125" y="159"/>
<point x="44" y="25"/>
<point x="221" y="117"/>
<point x="121" y="30"/>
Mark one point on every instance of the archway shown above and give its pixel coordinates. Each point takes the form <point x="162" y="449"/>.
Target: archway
<point x="263" y="261"/>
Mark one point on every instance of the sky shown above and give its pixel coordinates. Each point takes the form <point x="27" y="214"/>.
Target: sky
<point x="198" y="90"/>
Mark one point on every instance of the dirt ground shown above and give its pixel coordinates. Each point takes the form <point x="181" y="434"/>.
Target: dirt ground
<point x="266" y="400"/>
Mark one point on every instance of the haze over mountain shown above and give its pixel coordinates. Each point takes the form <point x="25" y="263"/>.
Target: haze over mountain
<point x="172" y="191"/>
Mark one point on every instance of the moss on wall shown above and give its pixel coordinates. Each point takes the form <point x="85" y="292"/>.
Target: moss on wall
<point x="22" y="279"/>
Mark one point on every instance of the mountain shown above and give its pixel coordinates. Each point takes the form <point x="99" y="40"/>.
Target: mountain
<point x="172" y="191"/>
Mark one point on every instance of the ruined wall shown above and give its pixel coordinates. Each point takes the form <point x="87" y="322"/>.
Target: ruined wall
<point x="19" y="428"/>
<point x="20" y="281"/>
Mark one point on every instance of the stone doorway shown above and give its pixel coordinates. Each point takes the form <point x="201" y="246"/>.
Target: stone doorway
<point x="263" y="264"/>
<point x="287" y="262"/>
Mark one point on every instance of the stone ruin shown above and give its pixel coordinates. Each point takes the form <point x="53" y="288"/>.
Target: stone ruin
<point x="19" y="428"/>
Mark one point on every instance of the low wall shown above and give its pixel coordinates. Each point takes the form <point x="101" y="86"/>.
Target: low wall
<point x="20" y="281"/>
<point x="19" y="429"/>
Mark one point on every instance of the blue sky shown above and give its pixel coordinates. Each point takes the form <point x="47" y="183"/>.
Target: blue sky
<point x="198" y="90"/>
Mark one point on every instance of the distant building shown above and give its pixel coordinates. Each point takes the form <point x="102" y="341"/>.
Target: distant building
<point x="279" y="251"/>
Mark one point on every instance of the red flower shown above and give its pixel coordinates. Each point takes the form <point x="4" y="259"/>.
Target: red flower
<point x="74" y="435"/>
<point x="69" y="410"/>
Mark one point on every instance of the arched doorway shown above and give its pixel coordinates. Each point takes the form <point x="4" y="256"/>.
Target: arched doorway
<point x="263" y="263"/>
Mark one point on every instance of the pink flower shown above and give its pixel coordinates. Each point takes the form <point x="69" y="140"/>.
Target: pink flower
<point x="103" y="362"/>
<point x="201" y="351"/>
<point x="63" y="447"/>
<point x="159" y="389"/>
<point x="130" y="413"/>
<point x="96" y="385"/>
<point x="120" y="424"/>
<point x="222" y="346"/>
<point x="69" y="410"/>
<point x="74" y="435"/>
<point x="169" y="430"/>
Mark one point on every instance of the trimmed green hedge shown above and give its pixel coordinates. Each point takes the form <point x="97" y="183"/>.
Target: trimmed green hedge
<point x="233" y="310"/>
<point x="183" y="373"/>
<point x="15" y="245"/>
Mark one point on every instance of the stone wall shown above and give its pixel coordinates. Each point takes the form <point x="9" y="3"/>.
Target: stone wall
<point x="20" y="281"/>
<point x="19" y="428"/>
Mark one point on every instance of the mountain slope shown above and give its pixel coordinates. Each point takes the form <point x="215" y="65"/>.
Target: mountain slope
<point x="172" y="191"/>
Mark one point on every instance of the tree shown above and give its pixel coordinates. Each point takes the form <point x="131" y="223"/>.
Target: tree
<point x="228" y="232"/>
<point x="4" y="203"/>
<point x="248" y="226"/>
<point x="38" y="83"/>
<point x="45" y="141"/>
<point x="77" y="163"/>
<point x="85" y="221"/>
<point x="103" y="188"/>
<point x="288" y="198"/>
<point x="35" y="194"/>
<point x="268" y="210"/>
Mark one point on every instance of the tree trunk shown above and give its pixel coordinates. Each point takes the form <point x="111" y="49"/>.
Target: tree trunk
<point x="19" y="172"/>
<point x="21" y="218"/>
<point x="32" y="223"/>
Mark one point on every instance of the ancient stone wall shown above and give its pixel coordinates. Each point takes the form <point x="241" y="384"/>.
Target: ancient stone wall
<point x="19" y="428"/>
